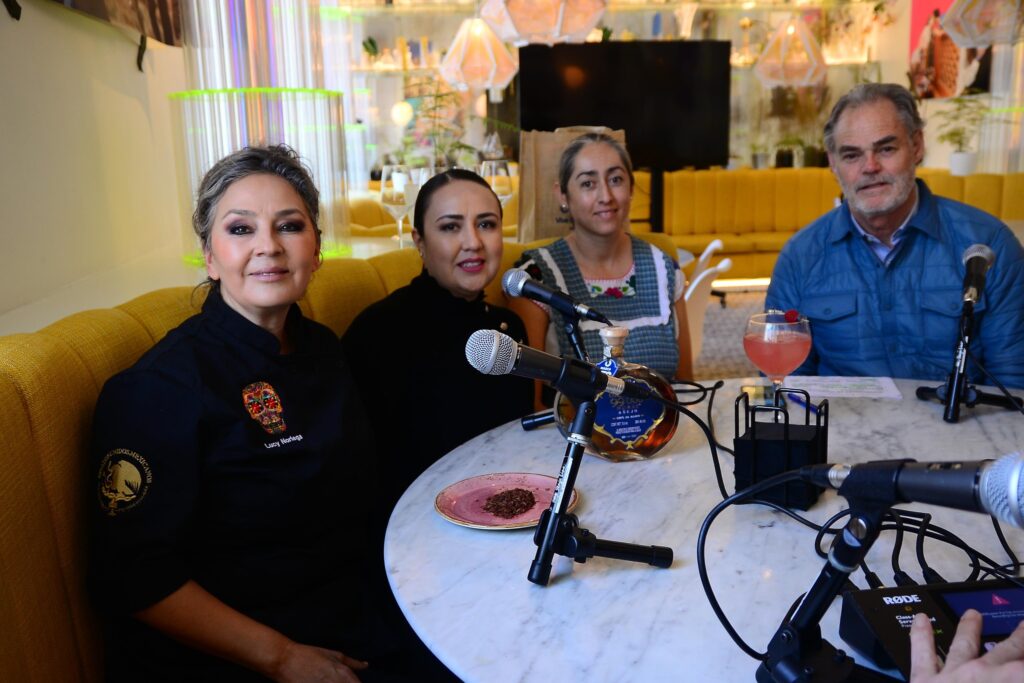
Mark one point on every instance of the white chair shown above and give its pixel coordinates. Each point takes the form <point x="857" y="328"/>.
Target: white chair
<point x="697" y="297"/>
<point x="705" y="258"/>
<point x="704" y="262"/>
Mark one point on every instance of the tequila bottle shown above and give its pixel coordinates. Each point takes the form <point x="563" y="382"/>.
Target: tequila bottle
<point x="625" y="428"/>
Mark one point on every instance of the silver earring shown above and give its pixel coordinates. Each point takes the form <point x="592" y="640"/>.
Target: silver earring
<point x="564" y="208"/>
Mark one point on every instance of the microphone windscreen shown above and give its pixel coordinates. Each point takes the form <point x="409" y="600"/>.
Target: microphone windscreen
<point x="512" y="281"/>
<point x="491" y="352"/>
<point x="981" y="250"/>
<point x="1002" y="488"/>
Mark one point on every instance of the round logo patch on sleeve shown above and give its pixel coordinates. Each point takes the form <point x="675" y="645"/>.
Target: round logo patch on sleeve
<point x="124" y="480"/>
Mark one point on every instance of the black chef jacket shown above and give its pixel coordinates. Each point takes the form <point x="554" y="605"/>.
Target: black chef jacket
<point x="220" y="460"/>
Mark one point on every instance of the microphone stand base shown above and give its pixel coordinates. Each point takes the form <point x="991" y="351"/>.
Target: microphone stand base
<point x="825" y="665"/>
<point x="972" y="396"/>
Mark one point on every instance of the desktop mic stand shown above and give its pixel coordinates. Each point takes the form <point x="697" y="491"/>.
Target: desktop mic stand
<point x="572" y="330"/>
<point x="559" y="532"/>
<point x="956" y="389"/>
<point x="797" y="652"/>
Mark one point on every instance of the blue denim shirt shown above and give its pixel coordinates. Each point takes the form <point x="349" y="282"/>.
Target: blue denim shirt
<point x="900" y="318"/>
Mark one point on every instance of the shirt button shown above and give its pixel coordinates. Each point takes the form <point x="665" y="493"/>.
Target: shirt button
<point x="503" y="327"/>
<point x="827" y="311"/>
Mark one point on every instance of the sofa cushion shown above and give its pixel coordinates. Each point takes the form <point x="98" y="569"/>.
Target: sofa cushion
<point x="1013" y="197"/>
<point x="769" y="241"/>
<point x="161" y="310"/>
<point x="106" y="340"/>
<point x="59" y="394"/>
<point x="731" y="244"/>
<point x="984" y="191"/>
<point x="38" y="642"/>
<point x="359" y="281"/>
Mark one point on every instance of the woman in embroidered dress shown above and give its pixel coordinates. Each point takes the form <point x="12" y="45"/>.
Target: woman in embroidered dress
<point x="631" y="281"/>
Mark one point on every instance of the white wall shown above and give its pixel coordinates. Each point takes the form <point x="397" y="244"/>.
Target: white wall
<point x="87" y="174"/>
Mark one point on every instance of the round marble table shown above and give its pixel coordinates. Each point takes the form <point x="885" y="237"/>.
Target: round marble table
<point x="466" y="594"/>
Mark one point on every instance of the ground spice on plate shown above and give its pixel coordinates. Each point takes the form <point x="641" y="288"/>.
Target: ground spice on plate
<point x="510" y="503"/>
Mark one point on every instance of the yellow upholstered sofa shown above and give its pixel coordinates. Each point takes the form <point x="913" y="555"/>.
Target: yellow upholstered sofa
<point x="49" y="382"/>
<point x="754" y="212"/>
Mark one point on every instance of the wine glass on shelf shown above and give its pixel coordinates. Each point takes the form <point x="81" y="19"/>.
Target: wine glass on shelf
<point x="397" y="193"/>
<point x="777" y="342"/>
<point x="497" y="176"/>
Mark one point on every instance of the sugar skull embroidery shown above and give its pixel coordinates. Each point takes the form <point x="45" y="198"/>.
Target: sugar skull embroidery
<point x="264" y="406"/>
<point x="124" y="480"/>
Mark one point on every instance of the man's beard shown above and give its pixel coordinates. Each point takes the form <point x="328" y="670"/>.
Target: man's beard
<point x="900" y="185"/>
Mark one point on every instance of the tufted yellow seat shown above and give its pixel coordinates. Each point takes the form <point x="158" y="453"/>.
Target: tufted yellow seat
<point x="754" y="212"/>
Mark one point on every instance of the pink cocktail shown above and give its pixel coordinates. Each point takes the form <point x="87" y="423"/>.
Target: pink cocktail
<point x="777" y="343"/>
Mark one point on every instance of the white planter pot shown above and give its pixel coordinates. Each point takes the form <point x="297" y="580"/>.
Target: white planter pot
<point x="962" y="163"/>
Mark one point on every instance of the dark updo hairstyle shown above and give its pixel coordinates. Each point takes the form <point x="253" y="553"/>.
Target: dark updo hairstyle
<point x="426" y="193"/>
<point x="572" y="150"/>
<point x="278" y="160"/>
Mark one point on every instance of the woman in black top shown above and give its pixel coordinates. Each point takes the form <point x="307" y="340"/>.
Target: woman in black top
<point x="408" y="351"/>
<point x="227" y="529"/>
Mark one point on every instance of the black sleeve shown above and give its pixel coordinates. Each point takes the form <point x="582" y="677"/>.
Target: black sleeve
<point x="146" y="468"/>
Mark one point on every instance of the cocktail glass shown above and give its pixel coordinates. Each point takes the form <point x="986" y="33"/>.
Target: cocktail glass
<point x="777" y="343"/>
<point x="497" y="176"/>
<point x="395" y="196"/>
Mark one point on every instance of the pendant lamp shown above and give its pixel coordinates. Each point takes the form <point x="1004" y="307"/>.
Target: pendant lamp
<point x="542" y="21"/>
<point x="791" y="57"/>
<point x="980" y="23"/>
<point x="477" y="59"/>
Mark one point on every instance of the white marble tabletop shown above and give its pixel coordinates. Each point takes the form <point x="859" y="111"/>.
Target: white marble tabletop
<point x="466" y="594"/>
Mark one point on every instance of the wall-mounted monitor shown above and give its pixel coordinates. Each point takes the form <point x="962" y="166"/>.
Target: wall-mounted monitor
<point x="671" y="97"/>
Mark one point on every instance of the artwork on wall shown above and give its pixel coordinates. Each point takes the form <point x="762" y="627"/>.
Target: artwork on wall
<point x="157" y="19"/>
<point x="938" y="67"/>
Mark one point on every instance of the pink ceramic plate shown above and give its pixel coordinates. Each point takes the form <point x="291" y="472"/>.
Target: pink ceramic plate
<point x="463" y="502"/>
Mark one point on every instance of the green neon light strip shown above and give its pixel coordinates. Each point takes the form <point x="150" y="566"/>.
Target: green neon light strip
<point x="188" y="94"/>
<point x="336" y="12"/>
<point x="361" y="91"/>
<point x="1007" y="110"/>
<point x="355" y="126"/>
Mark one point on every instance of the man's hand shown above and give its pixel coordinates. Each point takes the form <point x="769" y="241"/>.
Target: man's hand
<point x="308" y="664"/>
<point x="1004" y="663"/>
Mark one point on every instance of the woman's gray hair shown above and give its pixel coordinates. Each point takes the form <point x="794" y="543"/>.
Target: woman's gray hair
<point x="901" y="98"/>
<point x="572" y="150"/>
<point x="278" y="160"/>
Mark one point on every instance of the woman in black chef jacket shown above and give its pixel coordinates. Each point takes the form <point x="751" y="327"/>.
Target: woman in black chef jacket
<point x="229" y="460"/>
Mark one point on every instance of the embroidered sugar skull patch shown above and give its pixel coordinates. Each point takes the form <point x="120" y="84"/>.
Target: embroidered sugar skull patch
<point x="264" y="406"/>
<point x="124" y="480"/>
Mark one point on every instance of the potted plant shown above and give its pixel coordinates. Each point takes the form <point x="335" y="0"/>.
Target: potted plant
<point x="959" y="123"/>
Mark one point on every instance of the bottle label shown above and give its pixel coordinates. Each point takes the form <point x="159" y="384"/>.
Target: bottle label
<point x="608" y="366"/>
<point x="627" y="420"/>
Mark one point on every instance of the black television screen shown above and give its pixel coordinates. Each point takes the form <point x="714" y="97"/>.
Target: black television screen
<point x="671" y="97"/>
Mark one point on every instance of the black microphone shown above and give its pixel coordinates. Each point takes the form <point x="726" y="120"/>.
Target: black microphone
<point x="519" y="283"/>
<point x="494" y="353"/>
<point x="994" y="487"/>
<point x="978" y="258"/>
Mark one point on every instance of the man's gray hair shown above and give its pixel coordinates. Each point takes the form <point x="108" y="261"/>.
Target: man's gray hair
<point x="901" y="98"/>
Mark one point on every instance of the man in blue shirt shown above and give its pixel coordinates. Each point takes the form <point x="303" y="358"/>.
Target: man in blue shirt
<point x="880" y="277"/>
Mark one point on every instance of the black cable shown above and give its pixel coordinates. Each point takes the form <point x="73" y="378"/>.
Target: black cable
<point x="702" y="569"/>
<point x="707" y="434"/>
<point x="897" y="544"/>
<point x="1006" y="392"/>
<point x="1014" y="562"/>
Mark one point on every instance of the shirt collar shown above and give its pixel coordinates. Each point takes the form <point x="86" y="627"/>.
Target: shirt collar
<point x="429" y="287"/>
<point x="923" y="217"/>
<point x="248" y="332"/>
